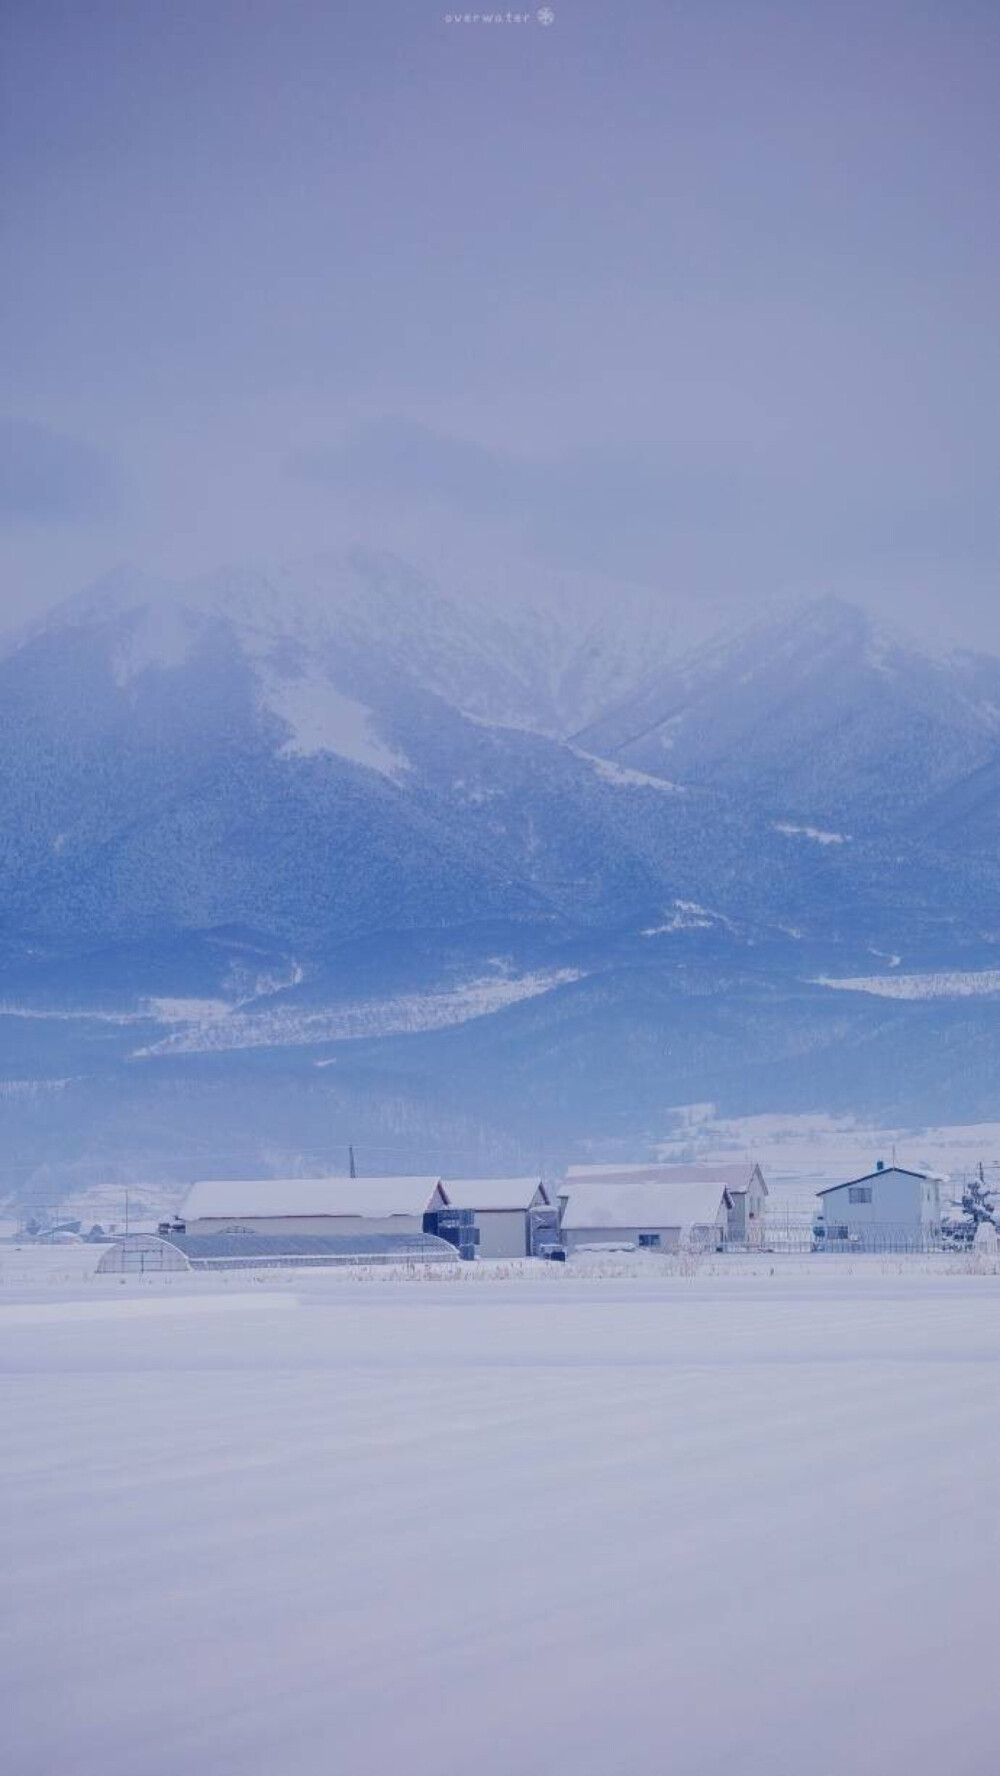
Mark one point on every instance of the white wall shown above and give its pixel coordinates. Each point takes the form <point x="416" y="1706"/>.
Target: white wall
<point x="503" y="1233"/>
<point x="744" y="1224"/>
<point x="670" y="1237"/>
<point x="757" y="1201"/>
<point x="575" y="1237"/>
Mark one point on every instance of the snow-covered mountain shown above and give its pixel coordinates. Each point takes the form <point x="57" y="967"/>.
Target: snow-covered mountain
<point x="548" y="652"/>
<point x="826" y="715"/>
<point x="542" y="856"/>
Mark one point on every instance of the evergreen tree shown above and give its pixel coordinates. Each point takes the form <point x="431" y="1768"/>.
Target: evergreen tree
<point x="978" y="1204"/>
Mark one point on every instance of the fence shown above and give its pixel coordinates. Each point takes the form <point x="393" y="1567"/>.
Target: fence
<point x="796" y="1231"/>
<point x="885" y="1237"/>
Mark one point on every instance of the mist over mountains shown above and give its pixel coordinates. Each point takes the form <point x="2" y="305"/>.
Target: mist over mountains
<point x="346" y="851"/>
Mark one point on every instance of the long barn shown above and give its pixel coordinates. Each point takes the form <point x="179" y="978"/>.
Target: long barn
<point x="648" y="1216"/>
<point x="743" y="1181"/>
<point x="227" y="1222"/>
<point x="310" y="1207"/>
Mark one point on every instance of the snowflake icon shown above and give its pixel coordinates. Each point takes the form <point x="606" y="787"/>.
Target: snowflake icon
<point x="545" y="15"/>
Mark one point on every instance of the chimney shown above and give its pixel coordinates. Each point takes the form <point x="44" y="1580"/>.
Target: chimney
<point x="880" y="1165"/>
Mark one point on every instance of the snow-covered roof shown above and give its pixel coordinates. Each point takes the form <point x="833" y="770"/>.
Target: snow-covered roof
<point x="251" y="1198"/>
<point x="880" y="1172"/>
<point x="644" y="1204"/>
<point x="736" y="1177"/>
<point x="493" y="1193"/>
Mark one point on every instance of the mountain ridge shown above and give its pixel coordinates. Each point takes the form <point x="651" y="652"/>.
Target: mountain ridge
<point x="391" y="799"/>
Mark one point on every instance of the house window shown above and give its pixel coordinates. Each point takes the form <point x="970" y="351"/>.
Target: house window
<point x="649" y="1239"/>
<point x="860" y="1193"/>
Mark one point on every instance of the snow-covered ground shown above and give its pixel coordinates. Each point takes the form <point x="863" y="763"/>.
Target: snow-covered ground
<point x="948" y="984"/>
<point x="404" y="1014"/>
<point x="735" y="1518"/>
<point x="796" y="1149"/>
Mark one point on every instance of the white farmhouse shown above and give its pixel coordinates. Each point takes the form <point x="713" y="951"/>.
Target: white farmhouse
<point x="744" y="1182"/>
<point x="650" y="1215"/>
<point x="310" y="1207"/>
<point x="506" y="1211"/>
<point x="888" y="1210"/>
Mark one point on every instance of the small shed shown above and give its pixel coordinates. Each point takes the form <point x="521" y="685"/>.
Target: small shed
<point x="888" y="1210"/>
<point x="508" y="1213"/>
<point x="743" y="1180"/>
<point x="309" y="1207"/>
<point x="652" y="1216"/>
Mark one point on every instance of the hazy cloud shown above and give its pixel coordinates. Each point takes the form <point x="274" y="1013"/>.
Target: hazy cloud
<point x="400" y="459"/>
<point x="712" y="517"/>
<point x="699" y="293"/>
<point x="623" y="510"/>
<point x="50" y="477"/>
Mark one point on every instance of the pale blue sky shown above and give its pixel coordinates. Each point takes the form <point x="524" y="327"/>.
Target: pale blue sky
<point x="699" y="292"/>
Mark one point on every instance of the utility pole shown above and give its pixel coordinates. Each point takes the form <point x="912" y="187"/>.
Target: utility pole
<point x="354" y="1169"/>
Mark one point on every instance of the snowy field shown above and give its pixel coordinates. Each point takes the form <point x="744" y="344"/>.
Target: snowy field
<point x="804" y="1152"/>
<point x="733" y="1518"/>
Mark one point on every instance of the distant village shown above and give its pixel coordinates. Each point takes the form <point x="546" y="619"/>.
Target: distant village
<point x="693" y="1209"/>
